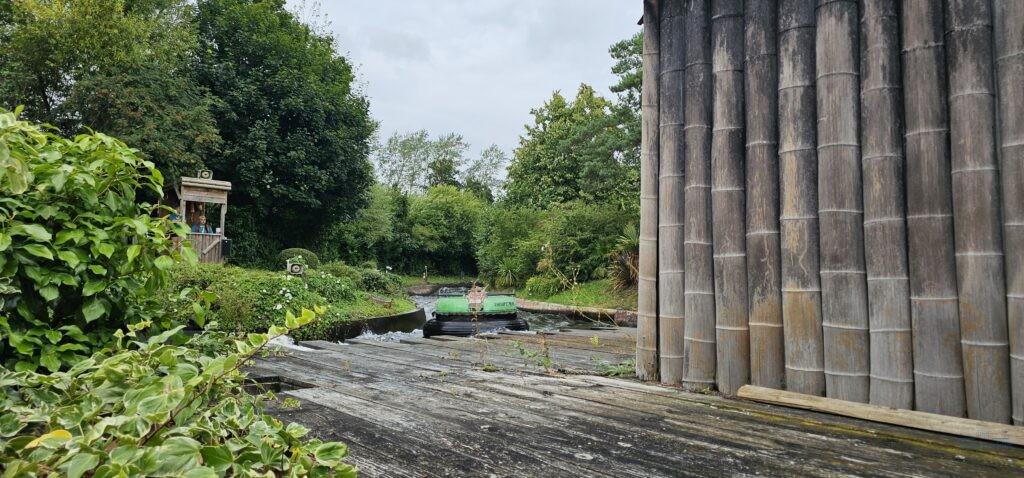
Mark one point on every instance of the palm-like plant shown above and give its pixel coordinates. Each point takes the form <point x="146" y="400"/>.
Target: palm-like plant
<point x="625" y="259"/>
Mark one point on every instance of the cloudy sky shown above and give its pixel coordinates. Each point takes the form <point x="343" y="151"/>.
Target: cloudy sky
<point x="474" y="67"/>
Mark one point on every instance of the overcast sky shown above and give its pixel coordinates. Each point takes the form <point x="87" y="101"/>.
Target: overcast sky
<point x="475" y="67"/>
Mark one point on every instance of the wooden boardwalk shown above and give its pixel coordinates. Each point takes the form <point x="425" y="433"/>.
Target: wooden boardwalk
<point x="502" y="406"/>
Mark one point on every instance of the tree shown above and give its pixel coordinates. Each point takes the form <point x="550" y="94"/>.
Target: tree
<point x="628" y="56"/>
<point x="296" y="135"/>
<point x="121" y="66"/>
<point x="401" y="161"/>
<point x="574" y="150"/>
<point x="413" y="163"/>
<point x="483" y="177"/>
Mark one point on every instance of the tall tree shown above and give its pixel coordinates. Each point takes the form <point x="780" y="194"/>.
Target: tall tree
<point x="572" y="151"/>
<point x="296" y="134"/>
<point x="447" y="154"/>
<point x="402" y="160"/>
<point x="628" y="57"/>
<point x="483" y="176"/>
<point x="123" y="67"/>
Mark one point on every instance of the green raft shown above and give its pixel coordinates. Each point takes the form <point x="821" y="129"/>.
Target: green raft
<point x="454" y="315"/>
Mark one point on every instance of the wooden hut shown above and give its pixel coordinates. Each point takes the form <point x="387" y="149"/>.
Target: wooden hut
<point x="194" y="194"/>
<point x="876" y="149"/>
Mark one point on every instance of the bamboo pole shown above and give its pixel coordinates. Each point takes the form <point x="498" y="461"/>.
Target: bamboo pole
<point x="671" y="266"/>
<point x="1009" y="46"/>
<point x="727" y="198"/>
<point x="699" y="352"/>
<point x="801" y="299"/>
<point x="938" y="369"/>
<point x="840" y="202"/>
<point x="764" y="294"/>
<point x="885" y="231"/>
<point x="976" y="216"/>
<point x="647" y="288"/>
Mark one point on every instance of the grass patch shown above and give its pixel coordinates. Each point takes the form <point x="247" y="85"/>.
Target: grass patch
<point x="598" y="293"/>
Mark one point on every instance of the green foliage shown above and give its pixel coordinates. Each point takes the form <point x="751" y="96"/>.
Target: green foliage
<point x="296" y="134"/>
<point x="508" y="244"/>
<point x="628" y="56"/>
<point x="342" y="270"/>
<point x="443" y="223"/>
<point x="146" y="407"/>
<point x="381" y="282"/>
<point x="581" y="236"/>
<point x="543" y="286"/>
<point x="118" y="66"/>
<point x="308" y="257"/>
<point x="80" y="254"/>
<point x="625" y="369"/>
<point x="625" y="259"/>
<point x="572" y="152"/>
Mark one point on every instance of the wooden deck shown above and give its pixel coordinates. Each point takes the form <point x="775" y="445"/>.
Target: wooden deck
<point x="488" y="407"/>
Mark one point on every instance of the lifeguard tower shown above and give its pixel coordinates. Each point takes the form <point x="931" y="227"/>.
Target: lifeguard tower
<point x="199" y="192"/>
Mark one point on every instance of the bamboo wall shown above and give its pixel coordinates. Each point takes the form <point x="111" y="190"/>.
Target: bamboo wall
<point x="833" y="200"/>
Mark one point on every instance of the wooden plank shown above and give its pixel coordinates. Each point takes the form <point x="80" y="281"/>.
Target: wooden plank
<point x="994" y="432"/>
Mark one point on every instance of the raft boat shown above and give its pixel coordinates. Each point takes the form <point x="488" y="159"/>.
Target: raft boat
<point x="467" y="313"/>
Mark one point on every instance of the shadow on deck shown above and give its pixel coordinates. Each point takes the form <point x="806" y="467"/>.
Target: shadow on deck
<point x="490" y="407"/>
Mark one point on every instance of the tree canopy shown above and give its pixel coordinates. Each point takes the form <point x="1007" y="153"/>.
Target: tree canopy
<point x="573" y="150"/>
<point x="296" y="134"/>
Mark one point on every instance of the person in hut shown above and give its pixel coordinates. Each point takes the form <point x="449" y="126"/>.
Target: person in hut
<point x="202" y="227"/>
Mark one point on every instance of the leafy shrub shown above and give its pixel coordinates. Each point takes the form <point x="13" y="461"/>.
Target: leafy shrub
<point x="544" y="286"/>
<point x="309" y="258"/>
<point x="81" y="254"/>
<point x="582" y="235"/>
<point x="340" y="269"/>
<point x="625" y="259"/>
<point x="443" y="223"/>
<point x="508" y="245"/>
<point x="381" y="282"/>
<point x="144" y="407"/>
<point x="333" y="289"/>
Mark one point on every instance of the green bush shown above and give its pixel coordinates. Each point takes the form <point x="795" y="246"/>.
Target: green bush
<point x="581" y="236"/>
<point x="381" y="282"/>
<point x="331" y="288"/>
<point x="508" y="245"/>
<point x="443" y="223"/>
<point x="144" y="407"/>
<point x="81" y="252"/>
<point x="308" y="256"/>
<point x="544" y="286"/>
<point x="340" y="269"/>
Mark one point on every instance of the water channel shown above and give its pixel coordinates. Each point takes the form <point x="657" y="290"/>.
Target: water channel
<point x="402" y="327"/>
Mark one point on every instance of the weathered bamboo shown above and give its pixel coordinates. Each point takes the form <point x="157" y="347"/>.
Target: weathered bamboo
<point x="938" y="368"/>
<point x="699" y="349"/>
<point x="647" y="288"/>
<point x="976" y="215"/>
<point x="727" y="197"/>
<point x="801" y="286"/>
<point x="671" y="266"/>
<point x="885" y="231"/>
<point x="1009" y="45"/>
<point x="764" y="294"/>
<point x="840" y="202"/>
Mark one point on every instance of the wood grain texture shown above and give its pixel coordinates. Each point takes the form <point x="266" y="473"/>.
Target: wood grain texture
<point x="977" y="429"/>
<point x="840" y="201"/>
<point x="647" y="287"/>
<point x="798" y="173"/>
<point x="671" y="263"/>
<point x="727" y="197"/>
<point x="977" y="222"/>
<point x="1009" y="52"/>
<point x="700" y="346"/>
<point x="938" y="366"/>
<point x="764" y="292"/>
<point x="885" y="230"/>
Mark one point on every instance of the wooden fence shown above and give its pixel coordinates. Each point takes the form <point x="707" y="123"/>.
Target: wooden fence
<point x="832" y="200"/>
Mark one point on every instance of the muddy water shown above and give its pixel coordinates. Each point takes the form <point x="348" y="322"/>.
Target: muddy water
<point x="398" y="330"/>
